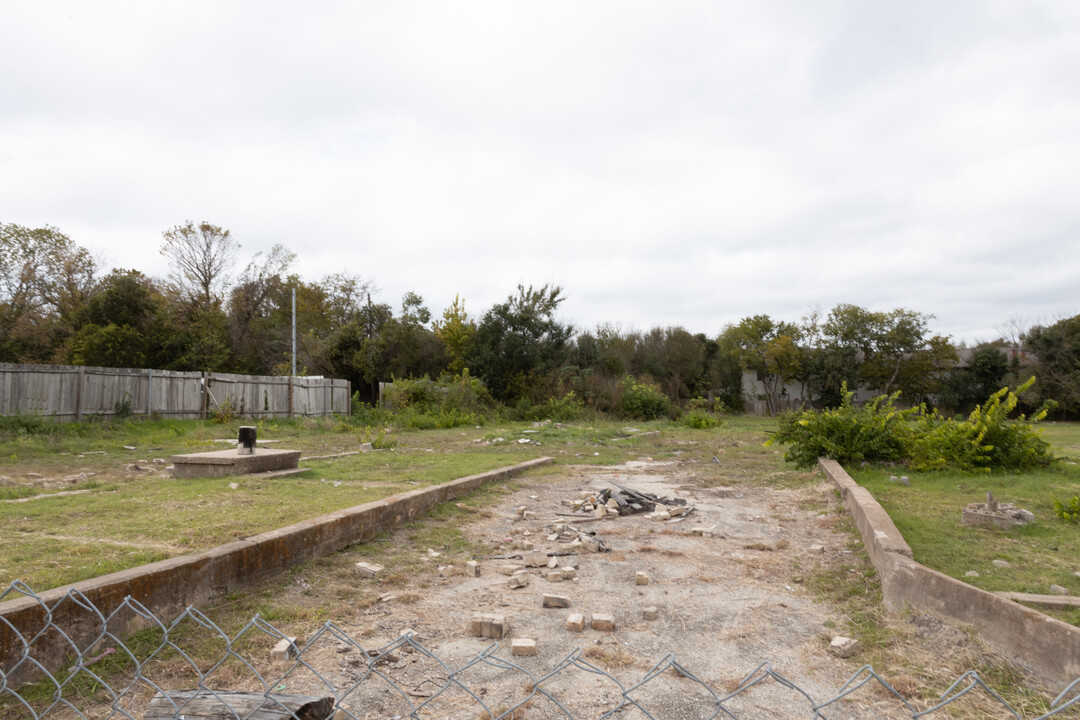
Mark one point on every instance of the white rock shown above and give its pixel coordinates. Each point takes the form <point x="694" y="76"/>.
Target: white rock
<point x="843" y="647"/>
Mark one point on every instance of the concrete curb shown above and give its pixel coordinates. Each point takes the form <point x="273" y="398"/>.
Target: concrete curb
<point x="1048" y="647"/>
<point x="167" y="587"/>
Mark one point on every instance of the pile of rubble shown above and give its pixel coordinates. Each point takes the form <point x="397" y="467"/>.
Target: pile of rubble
<point x="625" y="501"/>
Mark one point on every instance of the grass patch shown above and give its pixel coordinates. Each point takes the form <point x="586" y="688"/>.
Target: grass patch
<point x="1046" y="552"/>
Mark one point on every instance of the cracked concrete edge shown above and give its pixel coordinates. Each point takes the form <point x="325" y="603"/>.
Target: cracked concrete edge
<point x="167" y="587"/>
<point x="1048" y="647"/>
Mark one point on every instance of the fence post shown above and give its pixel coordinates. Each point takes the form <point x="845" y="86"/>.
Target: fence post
<point x="149" y="392"/>
<point x="290" y="396"/>
<point x="205" y="392"/>
<point x="78" y="393"/>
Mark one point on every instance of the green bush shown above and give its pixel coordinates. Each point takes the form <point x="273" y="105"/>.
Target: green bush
<point x="700" y="420"/>
<point x="878" y="432"/>
<point x="1068" y="510"/>
<point x="642" y="401"/>
<point x="425" y="404"/>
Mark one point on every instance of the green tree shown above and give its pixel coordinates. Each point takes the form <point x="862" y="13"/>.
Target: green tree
<point x="519" y="341"/>
<point x="965" y="387"/>
<point x="456" y="330"/>
<point x="121" y="324"/>
<point x="1057" y="349"/>
<point x="260" y="310"/>
<point x="44" y="280"/>
<point x="768" y="347"/>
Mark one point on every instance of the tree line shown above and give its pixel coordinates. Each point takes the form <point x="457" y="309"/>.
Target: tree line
<point x="58" y="306"/>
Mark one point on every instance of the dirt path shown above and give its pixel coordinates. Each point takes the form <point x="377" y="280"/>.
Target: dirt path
<point x="725" y="604"/>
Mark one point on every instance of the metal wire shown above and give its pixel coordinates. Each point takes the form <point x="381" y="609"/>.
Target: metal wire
<point x="109" y="677"/>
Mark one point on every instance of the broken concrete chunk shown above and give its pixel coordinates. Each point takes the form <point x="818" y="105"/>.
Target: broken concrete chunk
<point x="568" y="572"/>
<point x="490" y="626"/>
<point x="523" y="646"/>
<point x="556" y="601"/>
<point x="843" y="647"/>
<point x="365" y="569"/>
<point x="590" y="543"/>
<point x="641" y="578"/>
<point x="554" y="576"/>
<point x="510" y="569"/>
<point x="529" y="515"/>
<point x="816" y="549"/>
<point x="433" y="554"/>
<point x="1058" y="590"/>
<point x="650" y="613"/>
<point x="575" y="622"/>
<point x="284" y="651"/>
<point x="517" y="580"/>
<point x="603" y="622"/>
<point x="472" y="568"/>
<point x="537" y="558"/>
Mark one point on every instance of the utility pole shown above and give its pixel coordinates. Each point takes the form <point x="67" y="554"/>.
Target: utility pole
<point x="294" y="332"/>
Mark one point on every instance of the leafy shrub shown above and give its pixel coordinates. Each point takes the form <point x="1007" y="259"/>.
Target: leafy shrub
<point x="700" y="420"/>
<point x="879" y="432"/>
<point x="426" y="404"/>
<point x="874" y="432"/>
<point x="25" y="424"/>
<point x="1068" y="510"/>
<point x="122" y="407"/>
<point x="564" y="408"/>
<point x="642" y="401"/>
<point x="225" y="413"/>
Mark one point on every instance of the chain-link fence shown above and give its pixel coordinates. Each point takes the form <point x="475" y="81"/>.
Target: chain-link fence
<point x="190" y="669"/>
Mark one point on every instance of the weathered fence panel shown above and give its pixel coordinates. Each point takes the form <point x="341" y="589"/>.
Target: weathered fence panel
<point x="70" y="393"/>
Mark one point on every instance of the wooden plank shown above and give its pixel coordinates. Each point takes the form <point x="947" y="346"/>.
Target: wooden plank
<point x="225" y="705"/>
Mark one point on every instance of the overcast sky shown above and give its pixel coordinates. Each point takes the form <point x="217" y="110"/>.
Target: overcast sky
<point x="666" y="163"/>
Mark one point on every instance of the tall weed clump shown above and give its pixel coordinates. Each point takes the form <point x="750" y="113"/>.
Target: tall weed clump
<point x="426" y="404"/>
<point x="640" y="400"/>
<point x="878" y="432"/>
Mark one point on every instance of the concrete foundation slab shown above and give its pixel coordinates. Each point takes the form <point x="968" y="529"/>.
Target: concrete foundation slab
<point x="221" y="463"/>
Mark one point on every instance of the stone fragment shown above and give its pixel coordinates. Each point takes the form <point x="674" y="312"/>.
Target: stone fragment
<point x="472" y="568"/>
<point x="554" y="576"/>
<point x="650" y="613"/>
<point x="387" y="597"/>
<point x="568" y="572"/>
<point x="489" y="626"/>
<point x="521" y="511"/>
<point x="556" y="601"/>
<point x="843" y="647"/>
<point x="575" y="622"/>
<point x="1000" y="563"/>
<point x="433" y="554"/>
<point x="816" y="549"/>
<point x="702" y="530"/>
<point x="365" y="569"/>
<point x="510" y="569"/>
<point x="523" y="646"/>
<point x="517" y="580"/>
<point x="641" y="578"/>
<point x="536" y="558"/>
<point x="284" y="651"/>
<point x="971" y="573"/>
<point x="529" y="515"/>
<point x="603" y="622"/>
<point x="590" y="543"/>
<point x="1058" y="590"/>
<point x="553" y="562"/>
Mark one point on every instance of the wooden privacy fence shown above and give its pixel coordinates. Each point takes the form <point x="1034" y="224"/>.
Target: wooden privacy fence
<point x="67" y="392"/>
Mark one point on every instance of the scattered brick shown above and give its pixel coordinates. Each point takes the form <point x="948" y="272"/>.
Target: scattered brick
<point x="523" y="646"/>
<point x="284" y="651"/>
<point x="575" y="622"/>
<point x="490" y="626"/>
<point x="537" y="558"/>
<point x="641" y="578"/>
<point x="568" y="572"/>
<point x="649" y="613"/>
<point x="472" y="568"/>
<point x="843" y="647"/>
<point x="603" y="622"/>
<point x="556" y="601"/>
<point x="554" y="576"/>
<point x="368" y="569"/>
<point x="510" y="569"/>
<point x="517" y="580"/>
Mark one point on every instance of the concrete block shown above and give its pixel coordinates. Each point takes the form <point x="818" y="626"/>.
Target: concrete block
<point x="553" y="562"/>
<point x="284" y="651"/>
<point x="641" y="578"/>
<point x="575" y="622"/>
<point x="523" y="646"/>
<point x="650" y="613"/>
<point x="589" y="543"/>
<point x="537" y="558"/>
<point x="556" y="601"/>
<point x="554" y="576"/>
<point x="489" y="626"/>
<point x="510" y="569"/>
<point x="520" y="512"/>
<point x="843" y="647"/>
<point x="1058" y="590"/>
<point x="568" y="572"/>
<point x="529" y="515"/>
<point x="371" y="570"/>
<point x="816" y="549"/>
<point x="603" y="622"/>
<point x="472" y="568"/>
<point x="517" y="580"/>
